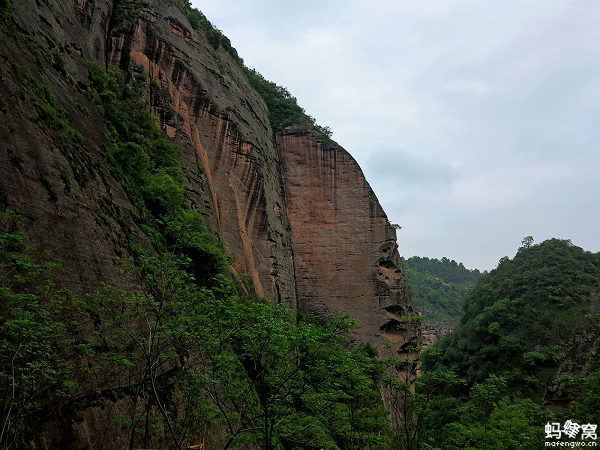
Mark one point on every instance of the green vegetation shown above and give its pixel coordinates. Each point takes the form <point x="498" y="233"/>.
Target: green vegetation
<point x="192" y="352"/>
<point x="527" y="336"/>
<point x="229" y="362"/>
<point x="439" y="287"/>
<point x="445" y="412"/>
<point x="215" y="37"/>
<point x="34" y="346"/>
<point x="149" y="168"/>
<point x="284" y="110"/>
<point x="518" y="314"/>
<point x="125" y="11"/>
<point x="189" y="356"/>
<point x="445" y="269"/>
<point x="578" y="377"/>
<point x="191" y="359"/>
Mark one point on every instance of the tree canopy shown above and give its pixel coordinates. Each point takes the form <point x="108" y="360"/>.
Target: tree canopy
<point x="438" y="288"/>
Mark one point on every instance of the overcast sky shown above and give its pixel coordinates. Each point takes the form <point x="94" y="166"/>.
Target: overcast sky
<point x="475" y="122"/>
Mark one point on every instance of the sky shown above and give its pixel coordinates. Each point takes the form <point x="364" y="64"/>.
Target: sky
<point x="475" y="122"/>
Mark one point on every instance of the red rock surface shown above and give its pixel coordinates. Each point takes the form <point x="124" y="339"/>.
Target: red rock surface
<point x="321" y="242"/>
<point x="345" y="251"/>
<point x="205" y="103"/>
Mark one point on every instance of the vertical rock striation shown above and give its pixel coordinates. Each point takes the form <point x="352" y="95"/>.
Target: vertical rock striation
<point x="298" y="217"/>
<point x="345" y="251"/>
<point x="205" y="103"/>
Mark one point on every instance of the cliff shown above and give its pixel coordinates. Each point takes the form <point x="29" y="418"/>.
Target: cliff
<point x="345" y="252"/>
<point x="294" y="214"/>
<point x="218" y="123"/>
<point x="206" y="105"/>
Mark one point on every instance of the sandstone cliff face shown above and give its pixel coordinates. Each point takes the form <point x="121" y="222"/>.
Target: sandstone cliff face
<point x="345" y="251"/>
<point x="71" y="203"/>
<point x="206" y="105"/>
<point x="303" y="203"/>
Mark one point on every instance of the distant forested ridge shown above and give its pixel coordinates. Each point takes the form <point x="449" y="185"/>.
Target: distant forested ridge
<point x="438" y="288"/>
<point x="526" y="352"/>
<point x="519" y="314"/>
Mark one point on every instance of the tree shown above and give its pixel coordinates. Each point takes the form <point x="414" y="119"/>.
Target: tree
<point x="35" y="374"/>
<point x="292" y="384"/>
<point x="419" y="405"/>
<point x="527" y="242"/>
<point x="145" y="334"/>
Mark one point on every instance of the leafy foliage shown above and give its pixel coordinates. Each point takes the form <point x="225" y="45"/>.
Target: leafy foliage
<point x="439" y="287"/>
<point x="34" y="366"/>
<point x="125" y="11"/>
<point x="284" y="110"/>
<point x="445" y="269"/>
<point x="527" y="335"/>
<point x="192" y="359"/>
<point x="493" y="420"/>
<point x="215" y="37"/>
<point x="518" y="314"/>
<point x="191" y="351"/>
<point x="307" y="389"/>
<point x="146" y="162"/>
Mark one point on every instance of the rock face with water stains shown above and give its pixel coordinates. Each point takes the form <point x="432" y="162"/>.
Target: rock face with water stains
<point x="297" y="216"/>
<point x="205" y="103"/>
<point x="345" y="251"/>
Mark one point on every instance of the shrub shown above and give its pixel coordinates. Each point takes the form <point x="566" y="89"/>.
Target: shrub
<point x="187" y="233"/>
<point x="34" y="371"/>
<point x="162" y="194"/>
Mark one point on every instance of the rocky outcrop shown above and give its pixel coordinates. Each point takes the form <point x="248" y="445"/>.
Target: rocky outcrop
<point x="345" y="251"/>
<point x="298" y="217"/>
<point x="64" y="189"/>
<point x="207" y="106"/>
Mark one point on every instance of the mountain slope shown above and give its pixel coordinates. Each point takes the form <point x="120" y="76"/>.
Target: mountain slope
<point x="438" y="289"/>
<point x="525" y="354"/>
<point x="519" y="314"/>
